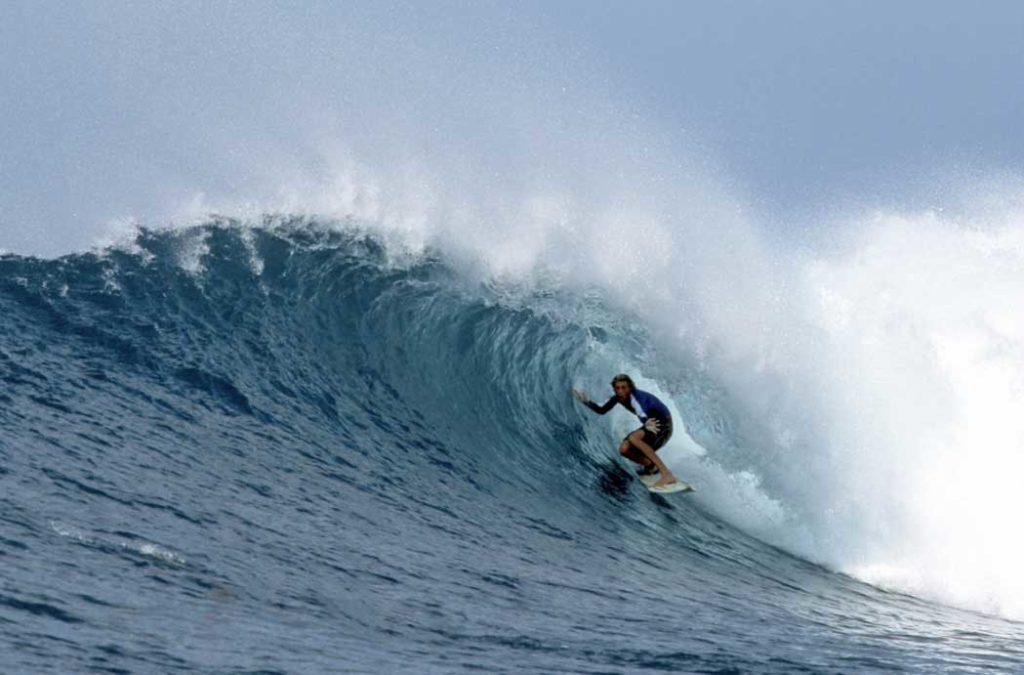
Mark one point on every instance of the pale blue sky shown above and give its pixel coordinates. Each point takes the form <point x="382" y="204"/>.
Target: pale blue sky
<point x="108" y="109"/>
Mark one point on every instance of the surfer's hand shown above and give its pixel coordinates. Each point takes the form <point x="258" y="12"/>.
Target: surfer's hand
<point x="580" y="396"/>
<point x="652" y="425"/>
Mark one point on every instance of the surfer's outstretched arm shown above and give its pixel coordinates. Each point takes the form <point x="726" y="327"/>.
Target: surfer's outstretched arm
<point x="602" y="409"/>
<point x="599" y="409"/>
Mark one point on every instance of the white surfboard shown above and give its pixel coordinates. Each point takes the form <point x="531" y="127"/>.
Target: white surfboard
<point x="678" y="486"/>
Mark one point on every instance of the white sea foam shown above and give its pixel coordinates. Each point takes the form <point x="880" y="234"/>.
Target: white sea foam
<point x="877" y="400"/>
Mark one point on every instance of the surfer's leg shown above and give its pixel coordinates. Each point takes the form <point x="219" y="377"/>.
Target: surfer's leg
<point x="627" y="450"/>
<point x="636" y="439"/>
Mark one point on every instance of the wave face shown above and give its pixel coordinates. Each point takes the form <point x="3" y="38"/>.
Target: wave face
<point x="283" y="448"/>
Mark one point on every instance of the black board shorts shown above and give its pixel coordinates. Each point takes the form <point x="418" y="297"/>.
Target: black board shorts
<point x="659" y="439"/>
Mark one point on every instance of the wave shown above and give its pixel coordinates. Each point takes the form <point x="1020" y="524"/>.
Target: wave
<point x="309" y="376"/>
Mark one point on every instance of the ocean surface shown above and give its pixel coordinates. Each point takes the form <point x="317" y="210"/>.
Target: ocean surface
<point x="283" y="448"/>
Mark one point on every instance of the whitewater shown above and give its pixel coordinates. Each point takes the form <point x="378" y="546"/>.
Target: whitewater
<point x="310" y="444"/>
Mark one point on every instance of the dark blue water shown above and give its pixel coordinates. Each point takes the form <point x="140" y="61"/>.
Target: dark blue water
<point x="277" y="450"/>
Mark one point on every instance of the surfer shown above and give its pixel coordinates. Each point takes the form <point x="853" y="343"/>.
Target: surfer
<point x="640" y="446"/>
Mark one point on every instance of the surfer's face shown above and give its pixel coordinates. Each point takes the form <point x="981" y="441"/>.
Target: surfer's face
<point x="621" y="390"/>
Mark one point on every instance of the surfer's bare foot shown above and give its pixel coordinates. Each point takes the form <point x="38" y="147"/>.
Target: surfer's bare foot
<point x="665" y="481"/>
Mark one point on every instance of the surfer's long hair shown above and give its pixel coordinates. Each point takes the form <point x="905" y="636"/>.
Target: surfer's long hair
<point x="622" y="377"/>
